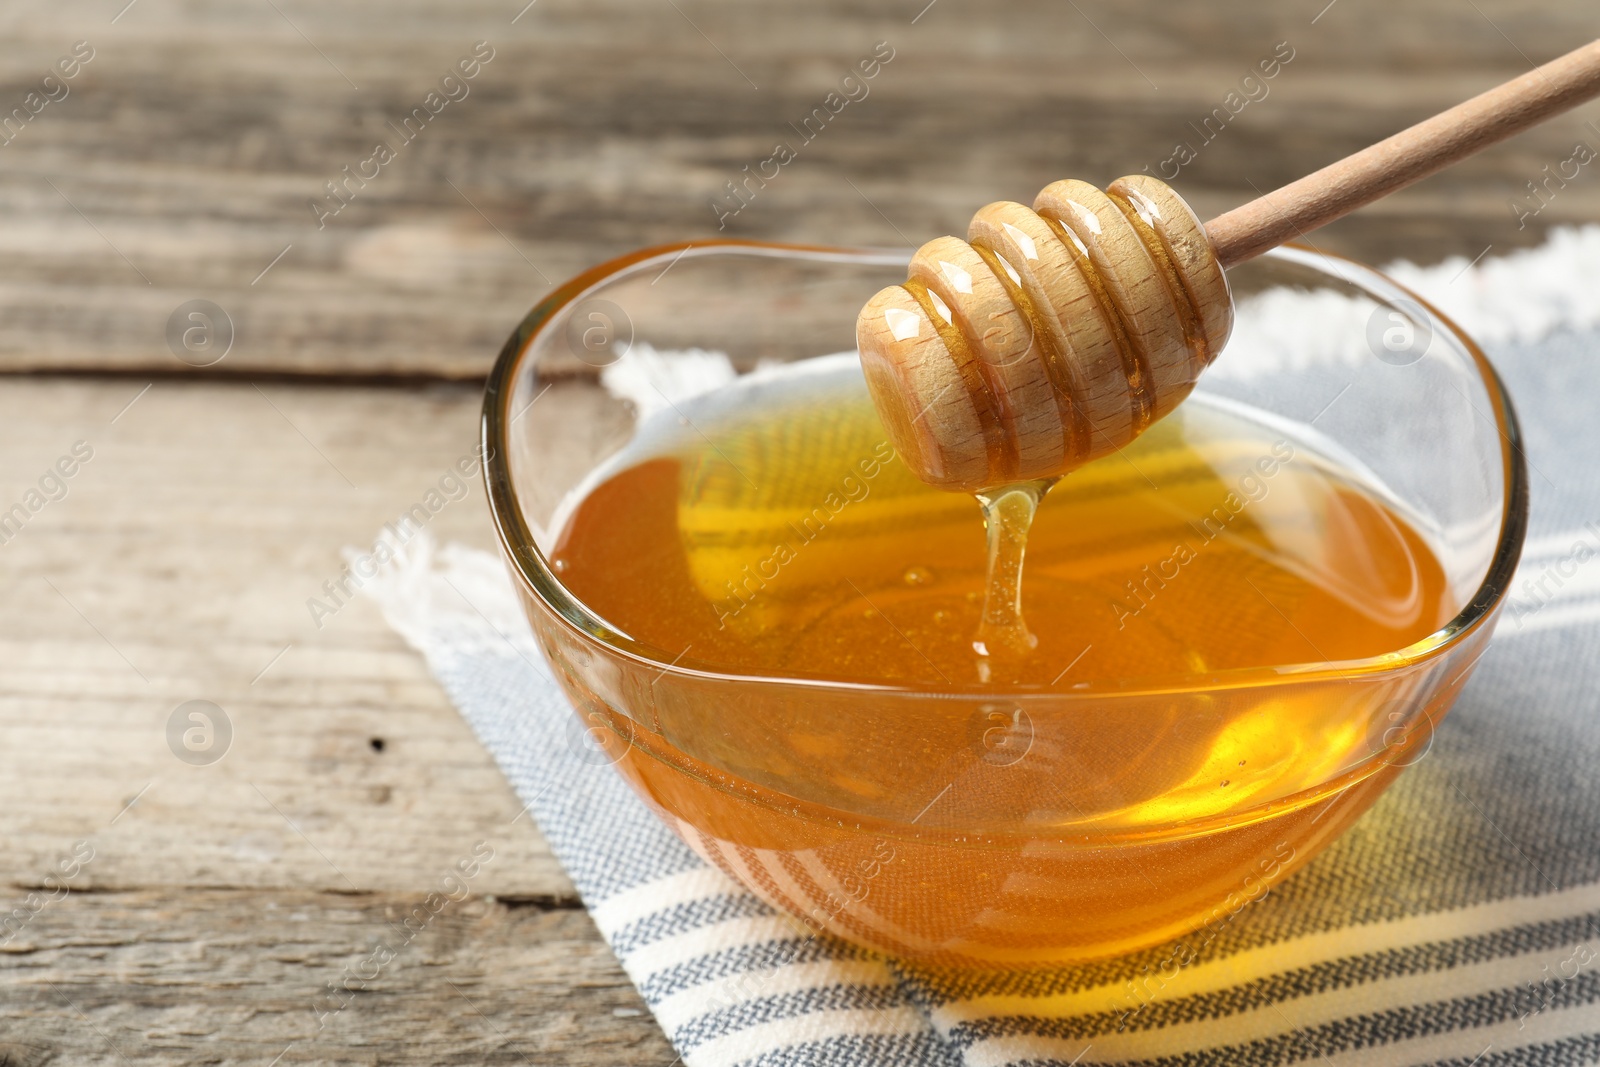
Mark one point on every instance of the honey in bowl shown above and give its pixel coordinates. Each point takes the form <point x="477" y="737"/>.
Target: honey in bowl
<point x="977" y="804"/>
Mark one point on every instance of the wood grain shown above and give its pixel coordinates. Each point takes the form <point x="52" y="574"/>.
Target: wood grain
<point x="195" y="138"/>
<point x="220" y="898"/>
<point x="178" y="567"/>
<point x="219" y="976"/>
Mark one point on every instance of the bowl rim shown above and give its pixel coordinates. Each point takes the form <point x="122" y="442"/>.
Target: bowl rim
<point x="533" y="571"/>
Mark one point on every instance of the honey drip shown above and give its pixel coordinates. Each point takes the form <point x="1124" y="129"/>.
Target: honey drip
<point x="1003" y="635"/>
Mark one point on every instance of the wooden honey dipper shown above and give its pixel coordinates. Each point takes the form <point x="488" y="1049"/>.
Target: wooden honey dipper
<point x="1058" y="334"/>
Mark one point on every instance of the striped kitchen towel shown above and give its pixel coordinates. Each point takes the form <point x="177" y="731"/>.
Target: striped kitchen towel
<point x="1457" y="923"/>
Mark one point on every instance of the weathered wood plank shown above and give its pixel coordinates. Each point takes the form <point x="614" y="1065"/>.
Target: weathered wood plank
<point x="228" y="977"/>
<point x="193" y="141"/>
<point x="177" y="567"/>
<point x="211" y="911"/>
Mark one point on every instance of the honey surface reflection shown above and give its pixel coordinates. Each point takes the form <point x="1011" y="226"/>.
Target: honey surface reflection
<point x="771" y="533"/>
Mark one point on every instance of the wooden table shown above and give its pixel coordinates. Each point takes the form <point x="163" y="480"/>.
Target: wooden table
<point x="181" y="164"/>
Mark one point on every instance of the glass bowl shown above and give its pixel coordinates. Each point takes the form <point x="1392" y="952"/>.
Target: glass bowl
<point x="947" y="848"/>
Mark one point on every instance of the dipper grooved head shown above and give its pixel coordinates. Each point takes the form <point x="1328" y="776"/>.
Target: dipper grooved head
<point x="1049" y="338"/>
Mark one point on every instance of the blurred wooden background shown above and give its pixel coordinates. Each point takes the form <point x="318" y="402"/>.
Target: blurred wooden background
<point x="179" y="167"/>
<point x="185" y="155"/>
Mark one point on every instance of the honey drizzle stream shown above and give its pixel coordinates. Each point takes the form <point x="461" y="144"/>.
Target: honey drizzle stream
<point x="1003" y="635"/>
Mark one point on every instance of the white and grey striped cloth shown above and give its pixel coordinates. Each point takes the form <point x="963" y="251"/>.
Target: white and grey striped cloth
<point x="1457" y="923"/>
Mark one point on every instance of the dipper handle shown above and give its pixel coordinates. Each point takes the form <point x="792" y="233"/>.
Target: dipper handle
<point x="1056" y="335"/>
<point x="1409" y="156"/>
